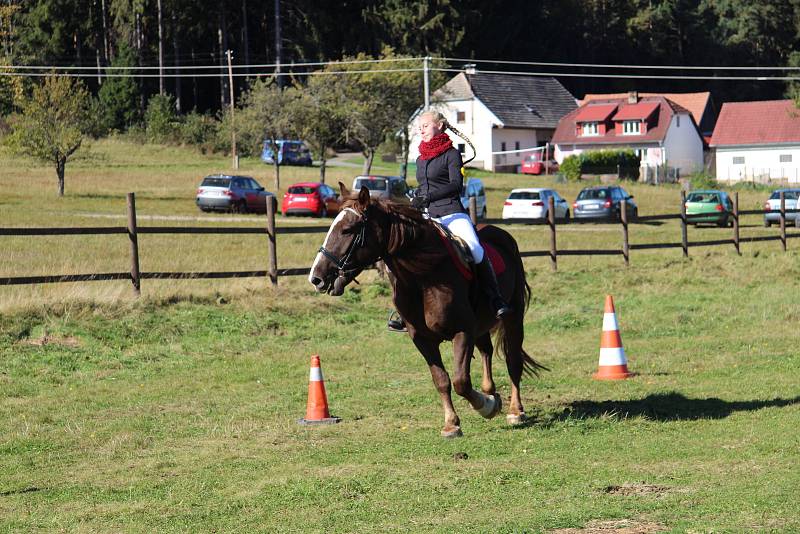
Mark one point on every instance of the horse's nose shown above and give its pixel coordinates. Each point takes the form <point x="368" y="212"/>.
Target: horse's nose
<point x="316" y="281"/>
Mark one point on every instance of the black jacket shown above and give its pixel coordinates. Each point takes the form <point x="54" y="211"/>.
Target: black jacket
<point x="441" y="181"/>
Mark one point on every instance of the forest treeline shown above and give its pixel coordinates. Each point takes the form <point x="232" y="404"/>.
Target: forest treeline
<point x="181" y="33"/>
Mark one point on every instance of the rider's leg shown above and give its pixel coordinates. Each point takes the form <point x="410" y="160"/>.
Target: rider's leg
<point x="461" y="225"/>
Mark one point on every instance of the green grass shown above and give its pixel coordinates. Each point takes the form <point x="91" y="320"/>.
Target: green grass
<point x="178" y="411"/>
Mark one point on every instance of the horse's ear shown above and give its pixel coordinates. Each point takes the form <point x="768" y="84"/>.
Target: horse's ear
<point x="363" y="197"/>
<point x="343" y="190"/>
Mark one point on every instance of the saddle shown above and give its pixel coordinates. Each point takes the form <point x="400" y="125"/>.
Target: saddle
<point x="461" y="255"/>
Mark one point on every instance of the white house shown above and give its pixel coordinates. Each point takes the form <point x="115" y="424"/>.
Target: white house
<point x="499" y="113"/>
<point x="758" y="141"/>
<point x="663" y="133"/>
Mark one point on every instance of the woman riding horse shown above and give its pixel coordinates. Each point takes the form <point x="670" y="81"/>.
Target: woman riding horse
<point x="439" y="193"/>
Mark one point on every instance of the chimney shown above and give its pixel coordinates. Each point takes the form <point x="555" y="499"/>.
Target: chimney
<point x="633" y="97"/>
<point x="469" y="68"/>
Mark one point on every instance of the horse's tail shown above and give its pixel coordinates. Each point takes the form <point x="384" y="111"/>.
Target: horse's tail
<point x="509" y="337"/>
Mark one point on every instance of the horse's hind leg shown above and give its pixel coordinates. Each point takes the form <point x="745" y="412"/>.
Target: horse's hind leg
<point x="433" y="357"/>
<point x="484" y="345"/>
<point x="513" y="333"/>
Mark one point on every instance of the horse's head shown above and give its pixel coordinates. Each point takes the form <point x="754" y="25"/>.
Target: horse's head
<point x="351" y="245"/>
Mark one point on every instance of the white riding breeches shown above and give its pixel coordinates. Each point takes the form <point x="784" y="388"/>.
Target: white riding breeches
<point x="461" y="225"/>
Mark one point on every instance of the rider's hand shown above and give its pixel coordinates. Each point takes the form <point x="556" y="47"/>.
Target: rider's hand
<point x="420" y="201"/>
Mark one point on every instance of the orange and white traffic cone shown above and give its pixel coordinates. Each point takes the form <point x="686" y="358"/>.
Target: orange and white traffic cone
<point x="613" y="365"/>
<point x="317" y="412"/>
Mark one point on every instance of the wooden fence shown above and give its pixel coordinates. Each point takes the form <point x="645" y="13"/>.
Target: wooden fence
<point x="132" y="230"/>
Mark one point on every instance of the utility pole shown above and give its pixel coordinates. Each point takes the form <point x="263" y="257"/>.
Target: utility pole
<point x="160" y="52"/>
<point x="425" y="74"/>
<point x="278" y="42"/>
<point x="233" y="123"/>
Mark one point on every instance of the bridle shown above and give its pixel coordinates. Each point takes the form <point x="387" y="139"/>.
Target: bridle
<point x="343" y="264"/>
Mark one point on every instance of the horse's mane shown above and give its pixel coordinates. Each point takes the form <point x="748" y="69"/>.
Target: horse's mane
<point x="412" y="241"/>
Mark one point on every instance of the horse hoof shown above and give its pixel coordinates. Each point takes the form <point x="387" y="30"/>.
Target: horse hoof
<point x="516" y="419"/>
<point x="492" y="405"/>
<point x="452" y="433"/>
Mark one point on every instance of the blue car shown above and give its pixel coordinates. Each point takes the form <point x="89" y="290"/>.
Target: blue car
<point x="290" y="152"/>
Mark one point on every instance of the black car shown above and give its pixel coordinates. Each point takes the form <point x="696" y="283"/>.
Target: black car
<point x="603" y="202"/>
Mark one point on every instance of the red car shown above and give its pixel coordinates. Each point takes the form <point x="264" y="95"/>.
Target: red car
<point x="310" y="198"/>
<point x="534" y="164"/>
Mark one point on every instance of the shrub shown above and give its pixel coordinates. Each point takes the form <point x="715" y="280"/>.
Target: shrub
<point x="160" y="119"/>
<point x="703" y="180"/>
<point x="571" y="167"/>
<point x="199" y="130"/>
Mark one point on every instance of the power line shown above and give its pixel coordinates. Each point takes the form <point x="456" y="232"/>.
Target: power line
<point x="630" y="76"/>
<point x="184" y="67"/>
<point x="611" y="66"/>
<point x="202" y="75"/>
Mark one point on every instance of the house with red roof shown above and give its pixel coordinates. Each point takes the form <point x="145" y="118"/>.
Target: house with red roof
<point x="758" y="141"/>
<point x="663" y="133"/>
<point x="701" y="105"/>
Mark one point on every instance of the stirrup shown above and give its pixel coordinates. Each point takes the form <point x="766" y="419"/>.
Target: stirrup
<point x="396" y="323"/>
<point x="502" y="309"/>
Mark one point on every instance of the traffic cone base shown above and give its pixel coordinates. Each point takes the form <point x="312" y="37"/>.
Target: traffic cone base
<point x="317" y="412"/>
<point x="612" y="365"/>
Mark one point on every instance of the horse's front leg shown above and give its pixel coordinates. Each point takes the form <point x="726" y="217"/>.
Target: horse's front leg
<point x="486" y="405"/>
<point x="430" y="351"/>
<point x="484" y="345"/>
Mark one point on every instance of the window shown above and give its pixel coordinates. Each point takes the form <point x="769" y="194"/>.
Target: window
<point x="785" y="158"/>
<point x="462" y="148"/>
<point x="503" y="146"/>
<point x="631" y="127"/>
<point x="590" y="128"/>
<point x="738" y="160"/>
<point x="516" y="145"/>
<point x="460" y="117"/>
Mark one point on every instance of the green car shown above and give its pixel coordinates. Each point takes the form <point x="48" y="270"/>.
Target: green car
<point x="709" y="206"/>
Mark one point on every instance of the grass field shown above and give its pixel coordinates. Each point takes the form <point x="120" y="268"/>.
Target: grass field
<point x="178" y="411"/>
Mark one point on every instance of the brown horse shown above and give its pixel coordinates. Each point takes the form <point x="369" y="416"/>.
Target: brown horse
<point x="436" y="301"/>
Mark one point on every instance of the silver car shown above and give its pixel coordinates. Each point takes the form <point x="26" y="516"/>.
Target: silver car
<point x="603" y="202"/>
<point x="474" y="188"/>
<point x="772" y="207"/>
<point x="386" y="187"/>
<point x="237" y="194"/>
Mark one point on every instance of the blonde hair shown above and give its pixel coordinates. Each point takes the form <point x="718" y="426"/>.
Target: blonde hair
<point x="436" y="116"/>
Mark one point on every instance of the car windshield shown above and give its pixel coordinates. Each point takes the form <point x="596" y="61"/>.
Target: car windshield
<point x="302" y="190"/>
<point x="703" y="197"/>
<point x="788" y="195"/>
<point x="594" y="194"/>
<point x="373" y="184"/>
<point x="216" y="181"/>
<point x="524" y="195"/>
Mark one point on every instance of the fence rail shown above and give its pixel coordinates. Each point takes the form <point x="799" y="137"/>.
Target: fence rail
<point x="271" y="231"/>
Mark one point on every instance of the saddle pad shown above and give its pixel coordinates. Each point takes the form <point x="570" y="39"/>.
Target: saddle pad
<point x="461" y="255"/>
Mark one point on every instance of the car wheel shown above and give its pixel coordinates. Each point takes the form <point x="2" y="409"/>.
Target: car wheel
<point x="239" y="207"/>
<point x="723" y="223"/>
<point x="767" y="223"/>
<point x="635" y="214"/>
<point x="566" y="217"/>
<point x="324" y="212"/>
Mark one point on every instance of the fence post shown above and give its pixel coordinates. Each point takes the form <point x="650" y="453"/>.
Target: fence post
<point x="624" y="219"/>
<point x="473" y="210"/>
<point x="684" y="233"/>
<point x="134" y="239"/>
<point x="783" y="221"/>
<point x="551" y="221"/>
<point x="273" y="252"/>
<point x="736" y="222"/>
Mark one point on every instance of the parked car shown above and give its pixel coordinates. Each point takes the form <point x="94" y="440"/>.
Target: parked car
<point x="535" y="164"/>
<point x="310" y="198"/>
<point x="603" y="202"/>
<point x="533" y="202"/>
<point x="474" y="188"/>
<point x="386" y="187"/>
<point x="238" y="194"/>
<point x="710" y="206"/>
<point x="772" y="207"/>
<point x="290" y="152"/>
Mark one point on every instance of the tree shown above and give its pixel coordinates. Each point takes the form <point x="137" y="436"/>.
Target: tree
<point x="53" y="122"/>
<point x="321" y="117"/>
<point x="118" y="95"/>
<point x="267" y="113"/>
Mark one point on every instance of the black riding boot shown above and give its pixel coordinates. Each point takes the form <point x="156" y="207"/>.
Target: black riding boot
<point x="488" y="281"/>
<point x="396" y="323"/>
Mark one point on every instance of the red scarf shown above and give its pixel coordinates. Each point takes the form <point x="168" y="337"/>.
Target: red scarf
<point x="438" y="144"/>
